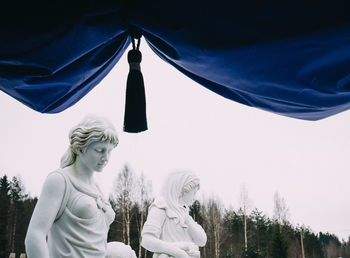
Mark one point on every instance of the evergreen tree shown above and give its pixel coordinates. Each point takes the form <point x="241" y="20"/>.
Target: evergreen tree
<point x="262" y="227"/>
<point x="234" y="239"/>
<point x="17" y="213"/>
<point x="195" y="212"/>
<point x="312" y="245"/>
<point x="16" y="209"/>
<point x="345" y="249"/>
<point x="279" y="246"/>
<point x="23" y="219"/>
<point x="4" y="215"/>
<point x="330" y="244"/>
<point x="251" y="252"/>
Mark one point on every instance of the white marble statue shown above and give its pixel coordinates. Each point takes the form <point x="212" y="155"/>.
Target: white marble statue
<point x="169" y="230"/>
<point x="72" y="218"/>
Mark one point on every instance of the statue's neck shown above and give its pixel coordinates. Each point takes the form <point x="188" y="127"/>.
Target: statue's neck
<point x="82" y="172"/>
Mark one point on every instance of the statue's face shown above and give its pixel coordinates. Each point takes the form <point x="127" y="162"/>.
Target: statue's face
<point x="96" y="155"/>
<point x="188" y="198"/>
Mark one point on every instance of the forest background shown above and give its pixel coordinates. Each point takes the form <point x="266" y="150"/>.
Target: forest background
<point x="245" y="232"/>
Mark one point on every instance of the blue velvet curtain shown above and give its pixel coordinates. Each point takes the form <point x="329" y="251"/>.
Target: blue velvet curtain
<point x="291" y="58"/>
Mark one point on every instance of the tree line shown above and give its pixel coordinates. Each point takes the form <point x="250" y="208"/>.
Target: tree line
<point x="16" y="208"/>
<point x="245" y="232"/>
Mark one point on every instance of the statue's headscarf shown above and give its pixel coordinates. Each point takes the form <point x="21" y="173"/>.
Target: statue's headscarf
<point x="174" y="186"/>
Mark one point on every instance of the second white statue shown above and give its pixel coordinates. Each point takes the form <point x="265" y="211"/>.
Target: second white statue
<point x="169" y="230"/>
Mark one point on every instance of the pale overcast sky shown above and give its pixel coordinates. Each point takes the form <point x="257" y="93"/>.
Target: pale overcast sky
<point x="225" y="143"/>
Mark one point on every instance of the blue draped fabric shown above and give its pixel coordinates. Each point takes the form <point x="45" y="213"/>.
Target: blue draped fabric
<point x="290" y="58"/>
<point x="50" y="61"/>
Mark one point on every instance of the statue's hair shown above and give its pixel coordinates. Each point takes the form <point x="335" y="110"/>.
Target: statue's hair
<point x="191" y="185"/>
<point x="176" y="184"/>
<point x="90" y="129"/>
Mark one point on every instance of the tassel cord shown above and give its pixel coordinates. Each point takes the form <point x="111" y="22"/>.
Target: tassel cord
<point x="135" y="104"/>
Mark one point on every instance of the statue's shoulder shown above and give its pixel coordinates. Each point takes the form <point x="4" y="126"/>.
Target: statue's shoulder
<point x="162" y="207"/>
<point x="159" y="203"/>
<point x="59" y="176"/>
<point x="56" y="178"/>
<point x="54" y="189"/>
<point x="59" y="183"/>
<point x="56" y="183"/>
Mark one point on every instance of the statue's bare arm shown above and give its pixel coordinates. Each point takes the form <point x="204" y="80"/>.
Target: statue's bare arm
<point x="44" y="216"/>
<point x="156" y="245"/>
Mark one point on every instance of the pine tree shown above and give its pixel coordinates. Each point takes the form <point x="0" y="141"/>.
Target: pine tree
<point x="234" y="239"/>
<point x="261" y="232"/>
<point x="195" y="212"/>
<point x="4" y="215"/>
<point x="279" y="246"/>
<point x="251" y="252"/>
<point x="17" y="234"/>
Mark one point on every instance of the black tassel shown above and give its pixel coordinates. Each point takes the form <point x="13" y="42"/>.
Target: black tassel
<point x="135" y="120"/>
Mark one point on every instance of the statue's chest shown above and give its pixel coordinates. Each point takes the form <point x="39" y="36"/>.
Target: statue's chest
<point x="82" y="205"/>
<point x="173" y="231"/>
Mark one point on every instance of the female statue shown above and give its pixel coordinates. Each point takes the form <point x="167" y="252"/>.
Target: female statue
<point x="71" y="218"/>
<point x="169" y="230"/>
